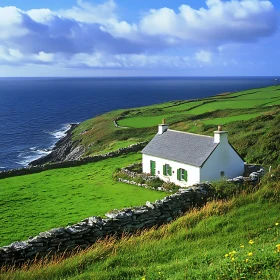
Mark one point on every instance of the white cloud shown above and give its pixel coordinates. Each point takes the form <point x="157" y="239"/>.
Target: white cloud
<point x="93" y="35"/>
<point x="91" y="13"/>
<point x="11" y="23"/>
<point x="41" y="15"/>
<point x="101" y="60"/>
<point x="222" y="21"/>
<point x="203" y="56"/>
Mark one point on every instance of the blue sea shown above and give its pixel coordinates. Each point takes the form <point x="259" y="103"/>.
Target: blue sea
<point x="36" y="112"/>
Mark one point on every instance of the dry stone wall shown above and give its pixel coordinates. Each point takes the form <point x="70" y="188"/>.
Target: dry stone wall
<point x="39" y="168"/>
<point x="117" y="222"/>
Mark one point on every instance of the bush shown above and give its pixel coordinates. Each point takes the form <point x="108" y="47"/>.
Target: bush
<point x="170" y="187"/>
<point x="155" y="183"/>
<point x="225" y="189"/>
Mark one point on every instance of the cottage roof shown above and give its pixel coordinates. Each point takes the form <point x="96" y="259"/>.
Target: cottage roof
<point x="187" y="148"/>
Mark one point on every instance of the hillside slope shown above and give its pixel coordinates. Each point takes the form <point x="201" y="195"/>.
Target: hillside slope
<point x="233" y="239"/>
<point x="248" y="116"/>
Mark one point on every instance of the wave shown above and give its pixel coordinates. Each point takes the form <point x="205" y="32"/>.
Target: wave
<point x="28" y="155"/>
<point x="60" y="133"/>
<point x="31" y="154"/>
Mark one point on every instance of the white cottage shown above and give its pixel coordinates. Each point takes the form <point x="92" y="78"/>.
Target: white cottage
<point x="186" y="158"/>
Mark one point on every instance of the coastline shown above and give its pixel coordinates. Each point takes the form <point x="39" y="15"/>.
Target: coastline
<point x="60" y="149"/>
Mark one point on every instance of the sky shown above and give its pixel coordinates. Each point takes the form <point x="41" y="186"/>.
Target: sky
<point x="139" y="38"/>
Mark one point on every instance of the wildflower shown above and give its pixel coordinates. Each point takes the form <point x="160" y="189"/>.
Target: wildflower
<point x="277" y="224"/>
<point x="246" y="260"/>
<point x="143" y="278"/>
<point x="250" y="254"/>
<point x="232" y="259"/>
<point x="226" y="255"/>
<point x="251" y="242"/>
<point x="278" y="248"/>
<point x="241" y="246"/>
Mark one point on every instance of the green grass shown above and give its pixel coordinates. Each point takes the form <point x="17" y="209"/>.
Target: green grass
<point x="140" y="122"/>
<point x="183" y="107"/>
<point x="38" y="202"/>
<point x="227" y="104"/>
<point x="226" y="120"/>
<point x="276" y="102"/>
<point x="234" y="239"/>
<point x="250" y="99"/>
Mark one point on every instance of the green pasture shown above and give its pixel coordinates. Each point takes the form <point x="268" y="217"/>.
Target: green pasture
<point x="227" y="104"/>
<point x="275" y="102"/>
<point x="226" y="120"/>
<point x="249" y="99"/>
<point x="184" y="107"/>
<point x="140" y="122"/>
<point x="34" y="203"/>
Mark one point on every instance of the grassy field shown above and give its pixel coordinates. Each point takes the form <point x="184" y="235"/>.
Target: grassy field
<point x="99" y="135"/>
<point x="251" y="99"/>
<point x="226" y="120"/>
<point x="233" y="239"/>
<point x="38" y="202"/>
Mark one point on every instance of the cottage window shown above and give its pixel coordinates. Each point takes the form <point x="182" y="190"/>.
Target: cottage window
<point x="167" y="170"/>
<point x="182" y="174"/>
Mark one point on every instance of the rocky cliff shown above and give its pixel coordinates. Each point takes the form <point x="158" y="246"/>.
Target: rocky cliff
<point x="64" y="149"/>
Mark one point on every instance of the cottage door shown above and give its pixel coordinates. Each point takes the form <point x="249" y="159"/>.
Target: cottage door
<point x="153" y="167"/>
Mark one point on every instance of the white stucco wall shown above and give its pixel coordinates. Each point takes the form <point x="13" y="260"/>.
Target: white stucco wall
<point x="193" y="172"/>
<point x="224" y="158"/>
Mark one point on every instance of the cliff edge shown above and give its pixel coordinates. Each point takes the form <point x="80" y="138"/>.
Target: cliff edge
<point x="64" y="149"/>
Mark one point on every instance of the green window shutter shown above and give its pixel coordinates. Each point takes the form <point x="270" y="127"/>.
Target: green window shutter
<point x="170" y="171"/>
<point x="164" y="169"/>
<point x="178" y="174"/>
<point x="153" y="167"/>
<point x="186" y="175"/>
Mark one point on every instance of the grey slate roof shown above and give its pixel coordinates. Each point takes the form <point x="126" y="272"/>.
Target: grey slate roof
<point x="188" y="148"/>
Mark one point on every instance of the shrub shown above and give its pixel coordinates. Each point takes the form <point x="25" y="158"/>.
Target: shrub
<point x="170" y="187"/>
<point x="225" y="189"/>
<point x="155" y="183"/>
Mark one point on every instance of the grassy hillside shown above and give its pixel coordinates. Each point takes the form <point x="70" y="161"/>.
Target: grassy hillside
<point x="249" y="116"/>
<point x="34" y="203"/>
<point x="234" y="239"/>
<point x="59" y="197"/>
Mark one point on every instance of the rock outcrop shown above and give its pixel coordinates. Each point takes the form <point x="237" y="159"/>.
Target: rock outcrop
<point x="64" y="149"/>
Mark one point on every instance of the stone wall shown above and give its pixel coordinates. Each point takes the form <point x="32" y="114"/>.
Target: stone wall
<point x="117" y="222"/>
<point x="39" y="168"/>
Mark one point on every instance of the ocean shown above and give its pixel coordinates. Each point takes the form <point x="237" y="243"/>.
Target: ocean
<point x="36" y="112"/>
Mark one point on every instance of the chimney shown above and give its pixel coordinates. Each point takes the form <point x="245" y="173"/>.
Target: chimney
<point x="220" y="136"/>
<point x="162" y="127"/>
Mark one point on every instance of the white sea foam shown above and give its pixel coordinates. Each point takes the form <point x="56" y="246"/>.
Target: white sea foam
<point x="58" y="134"/>
<point x="28" y="156"/>
<point x="34" y="153"/>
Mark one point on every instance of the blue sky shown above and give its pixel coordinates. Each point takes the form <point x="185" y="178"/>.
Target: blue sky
<point x="139" y="38"/>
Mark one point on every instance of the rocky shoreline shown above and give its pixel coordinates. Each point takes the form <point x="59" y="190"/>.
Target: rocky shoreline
<point x="64" y="149"/>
